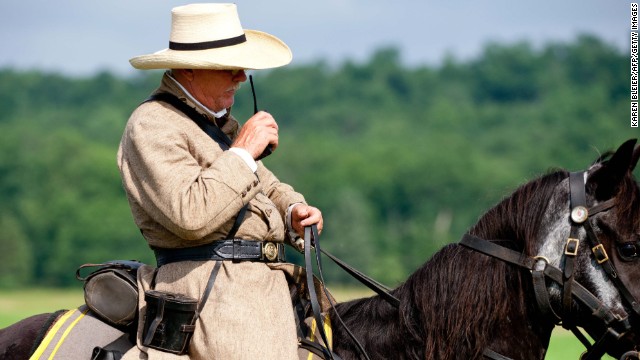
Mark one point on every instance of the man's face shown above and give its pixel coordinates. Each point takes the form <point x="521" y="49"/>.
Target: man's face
<point x="215" y="89"/>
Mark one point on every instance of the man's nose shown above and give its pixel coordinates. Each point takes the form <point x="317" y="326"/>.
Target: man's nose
<point x="239" y="76"/>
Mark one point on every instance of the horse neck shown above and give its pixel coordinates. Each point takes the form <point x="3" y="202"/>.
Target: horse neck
<point x="517" y="219"/>
<point x="460" y="302"/>
<point x="516" y="224"/>
<point x="482" y="303"/>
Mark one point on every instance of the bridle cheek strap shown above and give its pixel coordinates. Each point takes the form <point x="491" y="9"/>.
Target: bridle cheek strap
<point x="577" y="204"/>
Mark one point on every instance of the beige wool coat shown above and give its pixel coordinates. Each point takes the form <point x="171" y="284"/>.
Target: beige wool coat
<point x="184" y="190"/>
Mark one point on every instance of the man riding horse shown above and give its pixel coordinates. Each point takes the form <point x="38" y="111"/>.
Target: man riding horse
<point x="215" y="216"/>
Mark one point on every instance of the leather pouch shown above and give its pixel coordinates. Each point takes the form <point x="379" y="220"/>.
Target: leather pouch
<point x="169" y="321"/>
<point x="111" y="291"/>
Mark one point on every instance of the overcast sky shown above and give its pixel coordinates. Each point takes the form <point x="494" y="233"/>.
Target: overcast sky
<point x="80" y="37"/>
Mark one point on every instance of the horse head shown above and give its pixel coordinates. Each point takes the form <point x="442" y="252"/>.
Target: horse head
<point x="592" y="234"/>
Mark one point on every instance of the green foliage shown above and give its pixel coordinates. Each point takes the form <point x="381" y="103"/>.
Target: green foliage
<point x="401" y="160"/>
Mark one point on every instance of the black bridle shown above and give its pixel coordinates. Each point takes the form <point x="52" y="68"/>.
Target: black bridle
<point x="616" y="326"/>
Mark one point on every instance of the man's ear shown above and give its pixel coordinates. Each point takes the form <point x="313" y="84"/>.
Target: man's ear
<point x="606" y="180"/>
<point x="182" y="74"/>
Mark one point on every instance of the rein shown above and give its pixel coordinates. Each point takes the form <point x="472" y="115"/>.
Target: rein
<point x="571" y="289"/>
<point x="310" y="231"/>
<point x="311" y="236"/>
<point x="383" y="291"/>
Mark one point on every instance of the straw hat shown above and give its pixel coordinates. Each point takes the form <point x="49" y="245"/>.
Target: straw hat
<point x="209" y="36"/>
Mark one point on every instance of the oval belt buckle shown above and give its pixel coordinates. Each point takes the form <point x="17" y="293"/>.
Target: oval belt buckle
<point x="270" y="251"/>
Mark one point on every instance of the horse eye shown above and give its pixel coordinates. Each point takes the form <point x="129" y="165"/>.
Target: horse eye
<point x="628" y="250"/>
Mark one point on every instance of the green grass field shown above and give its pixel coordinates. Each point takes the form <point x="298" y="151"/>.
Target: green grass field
<point x="19" y="304"/>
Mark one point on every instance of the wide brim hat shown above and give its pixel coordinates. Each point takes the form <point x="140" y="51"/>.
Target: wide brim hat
<point x="210" y="36"/>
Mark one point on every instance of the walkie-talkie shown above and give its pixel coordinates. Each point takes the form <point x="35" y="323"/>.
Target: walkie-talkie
<point x="269" y="149"/>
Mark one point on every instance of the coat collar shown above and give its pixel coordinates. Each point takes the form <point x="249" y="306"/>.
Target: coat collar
<point x="170" y="85"/>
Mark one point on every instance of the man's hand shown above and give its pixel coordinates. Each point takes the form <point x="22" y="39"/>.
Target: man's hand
<point x="258" y="132"/>
<point x="304" y="215"/>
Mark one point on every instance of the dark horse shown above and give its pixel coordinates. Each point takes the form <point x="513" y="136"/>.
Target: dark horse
<point x="464" y="304"/>
<point x="471" y="301"/>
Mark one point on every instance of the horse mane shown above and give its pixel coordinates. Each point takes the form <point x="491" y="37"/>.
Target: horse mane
<point x="517" y="218"/>
<point x="465" y="297"/>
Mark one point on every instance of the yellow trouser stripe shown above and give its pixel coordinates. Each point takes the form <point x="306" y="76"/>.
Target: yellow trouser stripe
<point x="327" y="331"/>
<point x="66" y="332"/>
<point x="53" y="332"/>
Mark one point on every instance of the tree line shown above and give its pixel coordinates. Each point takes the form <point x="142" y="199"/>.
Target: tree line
<point x="401" y="159"/>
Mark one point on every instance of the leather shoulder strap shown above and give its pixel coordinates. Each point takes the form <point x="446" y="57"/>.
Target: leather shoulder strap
<point x="209" y="128"/>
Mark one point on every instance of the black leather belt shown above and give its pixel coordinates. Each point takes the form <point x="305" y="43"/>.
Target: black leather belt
<point x="231" y="249"/>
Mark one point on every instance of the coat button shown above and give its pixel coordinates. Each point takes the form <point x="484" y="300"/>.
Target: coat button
<point x="244" y="193"/>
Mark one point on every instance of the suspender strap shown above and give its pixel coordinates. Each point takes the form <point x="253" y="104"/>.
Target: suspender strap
<point x="207" y="290"/>
<point x="236" y="224"/>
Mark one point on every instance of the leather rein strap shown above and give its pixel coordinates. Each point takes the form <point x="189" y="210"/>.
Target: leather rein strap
<point x="312" y="241"/>
<point x="378" y="288"/>
<point x="201" y="120"/>
<point x="542" y="270"/>
<point x="311" y="236"/>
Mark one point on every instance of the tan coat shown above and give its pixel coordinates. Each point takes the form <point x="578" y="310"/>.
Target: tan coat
<point x="184" y="190"/>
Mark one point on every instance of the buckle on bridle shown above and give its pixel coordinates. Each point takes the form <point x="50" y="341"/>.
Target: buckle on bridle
<point x="600" y="253"/>
<point x="571" y="248"/>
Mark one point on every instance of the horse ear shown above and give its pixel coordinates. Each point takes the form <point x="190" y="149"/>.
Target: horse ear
<point x="608" y="178"/>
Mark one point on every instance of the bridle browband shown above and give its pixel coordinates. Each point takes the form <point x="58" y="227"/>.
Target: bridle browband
<point x="616" y="326"/>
